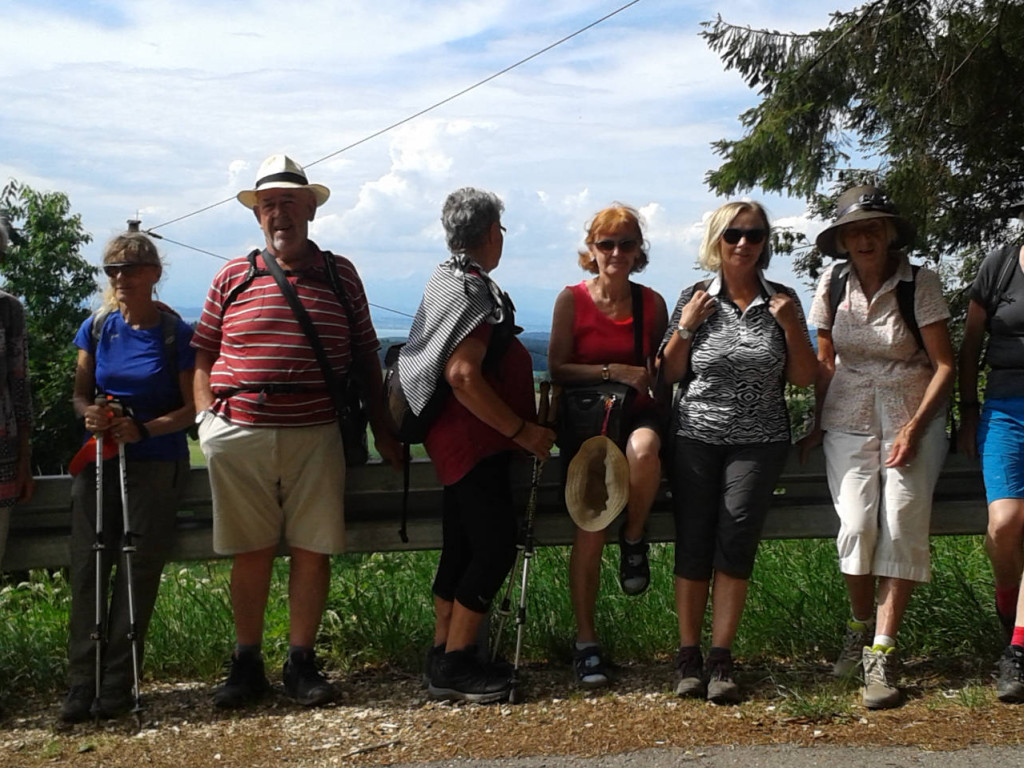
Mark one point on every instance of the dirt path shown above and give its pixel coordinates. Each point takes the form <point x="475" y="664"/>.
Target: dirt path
<point x="385" y="718"/>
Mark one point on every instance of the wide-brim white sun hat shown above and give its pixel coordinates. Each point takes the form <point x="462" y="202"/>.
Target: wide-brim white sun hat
<point x="281" y="172"/>
<point x="597" y="484"/>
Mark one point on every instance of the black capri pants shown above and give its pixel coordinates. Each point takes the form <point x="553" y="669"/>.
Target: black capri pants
<point x="720" y="499"/>
<point x="478" y="532"/>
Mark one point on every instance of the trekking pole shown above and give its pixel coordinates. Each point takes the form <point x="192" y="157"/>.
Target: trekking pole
<point x="505" y="608"/>
<point x="97" y="548"/>
<point x="128" y="549"/>
<point x="531" y="514"/>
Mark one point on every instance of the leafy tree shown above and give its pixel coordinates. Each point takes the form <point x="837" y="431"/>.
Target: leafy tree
<point x="44" y="269"/>
<point x="922" y="97"/>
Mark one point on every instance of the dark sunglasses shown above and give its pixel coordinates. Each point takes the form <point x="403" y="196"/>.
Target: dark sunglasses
<point x="127" y="269"/>
<point x="624" y="246"/>
<point x="733" y="235"/>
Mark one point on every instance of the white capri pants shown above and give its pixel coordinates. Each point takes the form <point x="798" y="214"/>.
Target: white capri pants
<point x="884" y="513"/>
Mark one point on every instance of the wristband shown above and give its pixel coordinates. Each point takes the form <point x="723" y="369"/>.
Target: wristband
<point x="143" y="432"/>
<point x="522" y="426"/>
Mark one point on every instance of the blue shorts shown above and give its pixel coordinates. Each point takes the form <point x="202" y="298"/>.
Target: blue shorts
<point x="1001" y="448"/>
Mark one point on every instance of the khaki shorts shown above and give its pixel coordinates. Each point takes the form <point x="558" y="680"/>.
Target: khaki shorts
<point x="271" y="483"/>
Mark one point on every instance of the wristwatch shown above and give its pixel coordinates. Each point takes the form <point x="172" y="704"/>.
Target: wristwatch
<point x="684" y="332"/>
<point x="605" y="373"/>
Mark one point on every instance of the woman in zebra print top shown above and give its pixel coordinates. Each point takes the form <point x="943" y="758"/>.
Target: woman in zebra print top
<point x="733" y="343"/>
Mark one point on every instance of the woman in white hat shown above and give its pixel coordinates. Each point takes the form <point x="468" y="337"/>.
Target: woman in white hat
<point x="885" y="377"/>
<point x="995" y="432"/>
<point x="137" y="351"/>
<point x="592" y="340"/>
<point x="733" y="343"/>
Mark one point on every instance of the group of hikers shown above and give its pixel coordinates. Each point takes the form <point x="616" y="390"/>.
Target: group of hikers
<point x="283" y="328"/>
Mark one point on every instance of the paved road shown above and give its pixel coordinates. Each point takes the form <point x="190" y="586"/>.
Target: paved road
<point x="764" y="757"/>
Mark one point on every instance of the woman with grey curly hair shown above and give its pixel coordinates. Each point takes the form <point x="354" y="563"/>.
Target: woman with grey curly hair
<point x="463" y="365"/>
<point x="16" y="482"/>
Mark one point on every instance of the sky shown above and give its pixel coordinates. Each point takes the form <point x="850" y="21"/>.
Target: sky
<point x="158" y="109"/>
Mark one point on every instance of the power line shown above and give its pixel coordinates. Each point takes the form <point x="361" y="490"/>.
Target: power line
<point x="424" y="111"/>
<point x="225" y="258"/>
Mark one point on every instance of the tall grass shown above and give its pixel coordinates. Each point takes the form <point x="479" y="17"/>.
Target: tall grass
<point x="380" y="611"/>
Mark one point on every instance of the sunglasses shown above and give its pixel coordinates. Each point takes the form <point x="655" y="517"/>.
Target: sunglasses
<point x="624" y="246"/>
<point x="129" y="270"/>
<point x="733" y="235"/>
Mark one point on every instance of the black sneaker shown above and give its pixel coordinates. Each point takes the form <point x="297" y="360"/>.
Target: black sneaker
<point x="246" y="683"/>
<point x="591" y="669"/>
<point x="722" y="689"/>
<point x="1010" y="683"/>
<point x="430" y="662"/>
<point x="634" y="569"/>
<point x="304" y="682"/>
<point x="77" y="706"/>
<point x="690" y="672"/>
<point x="461" y="676"/>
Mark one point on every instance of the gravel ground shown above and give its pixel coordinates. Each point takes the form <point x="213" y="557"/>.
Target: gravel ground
<point x="384" y="718"/>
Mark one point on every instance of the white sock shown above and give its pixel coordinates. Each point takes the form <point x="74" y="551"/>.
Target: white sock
<point x="885" y="641"/>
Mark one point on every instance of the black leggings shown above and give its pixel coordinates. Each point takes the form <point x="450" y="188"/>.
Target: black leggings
<point x="478" y="530"/>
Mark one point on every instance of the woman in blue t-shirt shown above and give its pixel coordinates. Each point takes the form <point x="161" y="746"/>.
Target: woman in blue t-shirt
<point x="136" y="351"/>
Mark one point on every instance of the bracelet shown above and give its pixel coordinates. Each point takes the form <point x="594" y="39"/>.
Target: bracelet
<point x="522" y="426"/>
<point x="143" y="432"/>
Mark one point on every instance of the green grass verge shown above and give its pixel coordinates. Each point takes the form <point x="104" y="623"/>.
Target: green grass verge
<point x="380" y="611"/>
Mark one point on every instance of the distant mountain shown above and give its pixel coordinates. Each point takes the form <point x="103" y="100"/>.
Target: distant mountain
<point x="536" y="342"/>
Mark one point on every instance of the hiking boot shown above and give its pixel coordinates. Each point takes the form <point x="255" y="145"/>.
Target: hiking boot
<point x="304" y="682"/>
<point x="77" y="706"/>
<point x="634" y="569"/>
<point x="115" y="701"/>
<point x="591" y="670"/>
<point x="461" y="676"/>
<point x="858" y="634"/>
<point x="1010" y="683"/>
<point x="246" y="683"/>
<point x="430" y="663"/>
<point x="722" y="689"/>
<point x="881" y="671"/>
<point x="690" y="672"/>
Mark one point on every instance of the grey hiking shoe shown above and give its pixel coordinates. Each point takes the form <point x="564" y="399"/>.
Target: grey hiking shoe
<point x="1010" y="683"/>
<point x="881" y="671"/>
<point x="722" y="689"/>
<point x="858" y="634"/>
<point x="247" y="682"/>
<point x="690" y="672"/>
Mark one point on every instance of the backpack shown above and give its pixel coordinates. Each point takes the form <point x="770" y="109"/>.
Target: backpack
<point x="407" y="426"/>
<point x="904" y="298"/>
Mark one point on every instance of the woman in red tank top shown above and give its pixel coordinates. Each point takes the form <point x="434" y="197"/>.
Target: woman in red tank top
<point x="592" y="340"/>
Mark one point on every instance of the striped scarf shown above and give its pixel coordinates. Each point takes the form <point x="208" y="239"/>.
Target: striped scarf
<point x="459" y="296"/>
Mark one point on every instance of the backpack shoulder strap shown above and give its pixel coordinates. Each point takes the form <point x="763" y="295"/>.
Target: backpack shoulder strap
<point x="1007" y="263"/>
<point x="637" y="296"/>
<point x="99" y="319"/>
<point x="837" y="288"/>
<point x="169" y="333"/>
<point x="251" y="275"/>
<point x="905" y="301"/>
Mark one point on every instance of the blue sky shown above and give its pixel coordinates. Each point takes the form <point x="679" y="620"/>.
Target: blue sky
<point x="162" y="108"/>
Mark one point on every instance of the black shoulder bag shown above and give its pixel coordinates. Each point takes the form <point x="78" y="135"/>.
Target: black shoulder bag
<point x="601" y="408"/>
<point x="346" y="396"/>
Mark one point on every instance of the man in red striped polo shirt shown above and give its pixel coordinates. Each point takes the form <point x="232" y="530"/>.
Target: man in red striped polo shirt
<point x="268" y="426"/>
